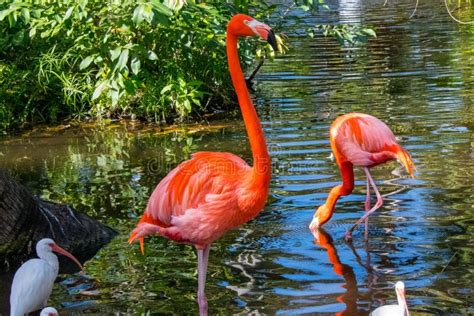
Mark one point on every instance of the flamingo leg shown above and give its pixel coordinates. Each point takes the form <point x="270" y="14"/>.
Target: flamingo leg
<point x="367" y="208"/>
<point x="348" y="235"/>
<point x="203" y="259"/>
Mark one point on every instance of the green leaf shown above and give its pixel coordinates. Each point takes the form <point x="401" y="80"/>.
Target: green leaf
<point x="99" y="89"/>
<point x="11" y="19"/>
<point x="166" y="88"/>
<point x="148" y="13"/>
<point x="86" y="62"/>
<point x="161" y="8"/>
<point x="137" y="17"/>
<point x="123" y="59"/>
<point x="348" y="36"/>
<point x="68" y="13"/>
<point x="101" y="161"/>
<point x="304" y="7"/>
<point x="114" y="54"/>
<point x="114" y="96"/>
<point x="129" y="86"/>
<point x="370" y="32"/>
<point x="32" y="32"/>
<point x="19" y="37"/>
<point x="152" y="55"/>
<point x="187" y="105"/>
<point x="135" y="65"/>
<point x="195" y="83"/>
<point x="26" y="14"/>
<point x="45" y="33"/>
<point x="175" y="5"/>
<point x="4" y="13"/>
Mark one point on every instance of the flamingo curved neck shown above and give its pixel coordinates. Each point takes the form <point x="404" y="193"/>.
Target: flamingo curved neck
<point x="333" y="196"/>
<point x="347" y="174"/>
<point x="261" y="158"/>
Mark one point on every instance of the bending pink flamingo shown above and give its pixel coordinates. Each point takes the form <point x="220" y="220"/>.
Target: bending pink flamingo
<point x="362" y="140"/>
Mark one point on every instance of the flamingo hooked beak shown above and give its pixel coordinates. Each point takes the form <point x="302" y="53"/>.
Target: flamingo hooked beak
<point x="264" y="31"/>
<point x="271" y="39"/>
<point x="314" y="226"/>
<point x="62" y="251"/>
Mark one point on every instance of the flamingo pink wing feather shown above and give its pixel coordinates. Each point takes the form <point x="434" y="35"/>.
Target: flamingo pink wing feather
<point x="200" y="196"/>
<point x="363" y="139"/>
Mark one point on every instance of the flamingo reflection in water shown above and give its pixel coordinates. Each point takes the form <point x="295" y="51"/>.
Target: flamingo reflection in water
<point x="323" y="239"/>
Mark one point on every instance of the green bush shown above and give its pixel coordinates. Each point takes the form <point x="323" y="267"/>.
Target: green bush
<point x="156" y="59"/>
<point x="92" y="58"/>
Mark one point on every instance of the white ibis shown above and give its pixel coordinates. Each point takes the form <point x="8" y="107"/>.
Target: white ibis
<point x="394" y="310"/>
<point x="33" y="281"/>
<point x="49" y="311"/>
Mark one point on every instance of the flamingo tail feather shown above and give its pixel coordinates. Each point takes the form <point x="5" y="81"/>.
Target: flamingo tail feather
<point x="146" y="218"/>
<point x="133" y="238"/>
<point x="142" y="244"/>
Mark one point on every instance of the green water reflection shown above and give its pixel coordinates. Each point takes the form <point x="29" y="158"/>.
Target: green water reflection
<point x="417" y="76"/>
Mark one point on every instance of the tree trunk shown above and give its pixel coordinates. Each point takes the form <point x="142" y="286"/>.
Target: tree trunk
<point x="25" y="219"/>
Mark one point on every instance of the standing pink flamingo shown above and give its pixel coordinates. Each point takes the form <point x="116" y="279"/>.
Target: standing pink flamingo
<point x="359" y="140"/>
<point x="213" y="192"/>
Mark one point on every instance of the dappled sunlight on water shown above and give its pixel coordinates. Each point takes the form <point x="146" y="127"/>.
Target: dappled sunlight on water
<point x="417" y="76"/>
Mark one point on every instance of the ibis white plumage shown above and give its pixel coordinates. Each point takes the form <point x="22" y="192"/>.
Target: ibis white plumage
<point x="49" y="311"/>
<point x="394" y="310"/>
<point x="34" y="280"/>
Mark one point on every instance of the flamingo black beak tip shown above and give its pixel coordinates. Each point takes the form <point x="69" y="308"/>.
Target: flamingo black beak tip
<point x="271" y="39"/>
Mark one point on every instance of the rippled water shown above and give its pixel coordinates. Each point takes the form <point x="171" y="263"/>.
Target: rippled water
<point x="417" y="76"/>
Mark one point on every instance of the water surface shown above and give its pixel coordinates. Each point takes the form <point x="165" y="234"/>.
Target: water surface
<point x="417" y="76"/>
